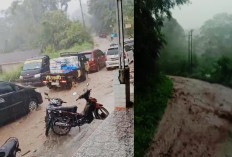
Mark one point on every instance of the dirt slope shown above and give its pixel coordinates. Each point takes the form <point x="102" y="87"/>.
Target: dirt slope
<point x="196" y="121"/>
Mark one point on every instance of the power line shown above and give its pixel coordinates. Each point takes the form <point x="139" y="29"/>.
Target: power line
<point x="82" y="13"/>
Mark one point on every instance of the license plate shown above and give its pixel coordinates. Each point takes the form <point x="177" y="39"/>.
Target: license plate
<point x="55" y="83"/>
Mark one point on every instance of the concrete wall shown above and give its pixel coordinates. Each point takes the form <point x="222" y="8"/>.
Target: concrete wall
<point x="8" y="67"/>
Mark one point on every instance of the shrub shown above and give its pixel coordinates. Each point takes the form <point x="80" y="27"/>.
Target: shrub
<point x="150" y="106"/>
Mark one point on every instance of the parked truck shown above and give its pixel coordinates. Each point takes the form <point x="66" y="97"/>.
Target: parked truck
<point x="63" y="72"/>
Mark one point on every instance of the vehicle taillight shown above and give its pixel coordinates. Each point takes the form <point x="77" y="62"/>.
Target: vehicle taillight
<point x="124" y="55"/>
<point x="63" y="81"/>
<point x="91" y="62"/>
<point x="105" y="58"/>
<point x="45" y="82"/>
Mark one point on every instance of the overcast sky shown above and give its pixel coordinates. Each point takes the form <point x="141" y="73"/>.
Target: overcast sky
<point x="73" y="5"/>
<point x="195" y="14"/>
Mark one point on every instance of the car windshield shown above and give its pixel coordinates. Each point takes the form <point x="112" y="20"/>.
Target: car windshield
<point x="30" y="65"/>
<point x="88" y="55"/>
<point x="113" y="51"/>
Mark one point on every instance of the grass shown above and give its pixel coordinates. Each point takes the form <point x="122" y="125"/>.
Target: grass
<point x="150" y="107"/>
<point x="76" y="47"/>
<point x="11" y="76"/>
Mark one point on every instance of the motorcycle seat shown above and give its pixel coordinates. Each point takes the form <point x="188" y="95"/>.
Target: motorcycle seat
<point x="8" y="147"/>
<point x="68" y="109"/>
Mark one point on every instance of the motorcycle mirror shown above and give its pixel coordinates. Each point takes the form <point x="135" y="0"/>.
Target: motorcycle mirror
<point x="87" y="84"/>
<point x="45" y="93"/>
<point x="75" y="93"/>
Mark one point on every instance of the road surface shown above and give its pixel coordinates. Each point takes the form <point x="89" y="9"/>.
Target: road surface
<point x="196" y="123"/>
<point x="31" y="128"/>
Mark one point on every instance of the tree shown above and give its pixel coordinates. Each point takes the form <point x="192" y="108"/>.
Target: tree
<point x="105" y="16"/>
<point x="216" y="35"/>
<point x="149" y="17"/>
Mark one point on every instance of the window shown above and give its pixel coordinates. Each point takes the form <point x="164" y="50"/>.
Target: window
<point x="98" y="53"/>
<point x="127" y="48"/>
<point x="5" y="88"/>
<point x="113" y="51"/>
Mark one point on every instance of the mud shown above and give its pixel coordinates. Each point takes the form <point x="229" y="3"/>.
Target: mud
<point x="196" y="121"/>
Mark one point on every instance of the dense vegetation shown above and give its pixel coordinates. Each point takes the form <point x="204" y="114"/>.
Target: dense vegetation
<point x="150" y="107"/>
<point x="212" y="60"/>
<point x="105" y="17"/>
<point x="40" y="24"/>
<point x="152" y="89"/>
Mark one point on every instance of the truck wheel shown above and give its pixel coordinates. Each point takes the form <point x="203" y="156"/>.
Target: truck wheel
<point x="83" y="76"/>
<point x="49" y="86"/>
<point x="69" y="85"/>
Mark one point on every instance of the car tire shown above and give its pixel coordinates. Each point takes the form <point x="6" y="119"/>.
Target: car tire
<point x="108" y="69"/>
<point x="32" y="105"/>
<point x="98" y="67"/>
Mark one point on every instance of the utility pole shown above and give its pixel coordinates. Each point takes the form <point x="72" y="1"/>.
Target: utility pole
<point x="191" y="37"/>
<point x="82" y="13"/>
<point x="190" y="50"/>
<point x="124" y="72"/>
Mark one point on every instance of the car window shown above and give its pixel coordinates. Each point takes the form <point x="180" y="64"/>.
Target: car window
<point x="97" y="53"/>
<point x="113" y="51"/>
<point x="101" y="53"/>
<point x="88" y="55"/>
<point x="4" y="89"/>
<point x="127" y="48"/>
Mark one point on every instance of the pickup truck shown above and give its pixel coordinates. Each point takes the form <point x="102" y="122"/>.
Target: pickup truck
<point x="63" y="72"/>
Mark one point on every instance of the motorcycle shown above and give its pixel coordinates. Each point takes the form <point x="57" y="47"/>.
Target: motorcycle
<point x="62" y="119"/>
<point x="10" y="148"/>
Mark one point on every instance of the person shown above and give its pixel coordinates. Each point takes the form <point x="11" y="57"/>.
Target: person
<point x="112" y="36"/>
<point x="87" y="67"/>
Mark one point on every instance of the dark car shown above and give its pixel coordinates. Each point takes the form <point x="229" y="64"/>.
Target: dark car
<point x="33" y="69"/>
<point x="16" y="101"/>
<point x="102" y="35"/>
<point x="96" y="59"/>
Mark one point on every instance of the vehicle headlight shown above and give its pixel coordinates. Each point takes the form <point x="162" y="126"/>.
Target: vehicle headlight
<point x="20" y="77"/>
<point x="37" y="75"/>
<point x="36" y="90"/>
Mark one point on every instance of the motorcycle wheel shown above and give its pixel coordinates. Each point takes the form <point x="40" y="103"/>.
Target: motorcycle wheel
<point x="60" y="130"/>
<point x="48" y="126"/>
<point x="101" y="113"/>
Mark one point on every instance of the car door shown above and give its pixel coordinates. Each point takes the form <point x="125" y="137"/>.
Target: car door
<point x="102" y="58"/>
<point x="129" y="53"/>
<point x="6" y="106"/>
<point x="20" y="106"/>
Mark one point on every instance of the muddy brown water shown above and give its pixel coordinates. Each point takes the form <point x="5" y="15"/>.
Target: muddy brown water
<point x="196" y="122"/>
<point x="31" y="128"/>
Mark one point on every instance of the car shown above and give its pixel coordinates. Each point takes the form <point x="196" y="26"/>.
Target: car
<point x="102" y="35"/>
<point x="33" y="69"/>
<point x="16" y="101"/>
<point x="112" y="56"/>
<point x="96" y="59"/>
<point x="113" y="45"/>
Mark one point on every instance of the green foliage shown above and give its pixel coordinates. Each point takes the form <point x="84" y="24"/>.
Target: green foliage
<point x="11" y="76"/>
<point x="212" y="51"/>
<point x="149" y="17"/>
<point x="105" y="18"/>
<point x="150" y="106"/>
<point x="39" y="24"/>
<point x="74" y="48"/>
<point x="60" y="33"/>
